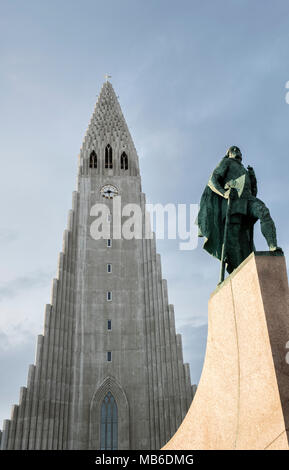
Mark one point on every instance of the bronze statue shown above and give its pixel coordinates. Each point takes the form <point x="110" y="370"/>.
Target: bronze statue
<point x="228" y="211"/>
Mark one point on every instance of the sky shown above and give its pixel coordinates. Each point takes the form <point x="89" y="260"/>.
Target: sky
<point x="193" y="78"/>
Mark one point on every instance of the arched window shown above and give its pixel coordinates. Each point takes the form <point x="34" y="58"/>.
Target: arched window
<point x="108" y="157"/>
<point x="109" y="423"/>
<point x="93" y="160"/>
<point x="123" y="161"/>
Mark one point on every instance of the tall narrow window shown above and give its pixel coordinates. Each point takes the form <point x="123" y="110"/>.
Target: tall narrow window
<point x="109" y="423"/>
<point x="109" y="324"/>
<point x="109" y="268"/>
<point x="109" y="242"/>
<point x="123" y="161"/>
<point x="109" y="356"/>
<point x="108" y="157"/>
<point x="109" y="295"/>
<point x="93" y="160"/>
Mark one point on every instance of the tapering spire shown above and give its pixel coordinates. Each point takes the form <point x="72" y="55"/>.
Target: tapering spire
<point x="107" y="121"/>
<point x="108" y="126"/>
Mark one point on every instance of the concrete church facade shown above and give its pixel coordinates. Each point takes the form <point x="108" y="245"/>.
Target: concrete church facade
<point x="109" y="371"/>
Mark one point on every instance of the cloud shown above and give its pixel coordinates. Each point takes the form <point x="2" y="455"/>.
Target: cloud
<point x="16" y="338"/>
<point x="8" y="235"/>
<point x="14" y="287"/>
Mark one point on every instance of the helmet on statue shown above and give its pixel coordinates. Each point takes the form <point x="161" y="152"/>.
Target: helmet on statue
<point x="234" y="152"/>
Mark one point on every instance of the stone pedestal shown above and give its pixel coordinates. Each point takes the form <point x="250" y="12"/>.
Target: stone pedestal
<point x="242" y="401"/>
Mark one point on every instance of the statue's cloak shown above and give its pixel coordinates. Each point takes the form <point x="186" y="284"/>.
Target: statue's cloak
<point x="211" y="221"/>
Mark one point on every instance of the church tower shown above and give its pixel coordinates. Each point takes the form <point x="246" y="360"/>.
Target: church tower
<point x="109" y="371"/>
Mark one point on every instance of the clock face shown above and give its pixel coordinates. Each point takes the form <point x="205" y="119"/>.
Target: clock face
<point x="109" y="191"/>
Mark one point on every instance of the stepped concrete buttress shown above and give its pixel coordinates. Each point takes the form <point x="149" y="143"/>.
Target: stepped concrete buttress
<point x="242" y="401"/>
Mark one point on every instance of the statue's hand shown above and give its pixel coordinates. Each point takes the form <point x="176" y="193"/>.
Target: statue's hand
<point x="232" y="192"/>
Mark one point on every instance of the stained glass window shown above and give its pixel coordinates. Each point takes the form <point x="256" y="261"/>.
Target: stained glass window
<point x="108" y="157"/>
<point x="109" y="423"/>
<point x="123" y="161"/>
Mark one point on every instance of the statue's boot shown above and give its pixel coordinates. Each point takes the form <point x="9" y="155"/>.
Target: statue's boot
<point x="268" y="230"/>
<point x="258" y="210"/>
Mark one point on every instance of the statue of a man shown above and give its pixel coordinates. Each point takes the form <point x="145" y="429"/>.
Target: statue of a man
<point x="232" y="180"/>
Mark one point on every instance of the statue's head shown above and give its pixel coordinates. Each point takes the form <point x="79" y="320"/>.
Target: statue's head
<point x="234" y="152"/>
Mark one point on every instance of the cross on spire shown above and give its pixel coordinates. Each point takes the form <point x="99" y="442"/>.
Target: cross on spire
<point x="107" y="76"/>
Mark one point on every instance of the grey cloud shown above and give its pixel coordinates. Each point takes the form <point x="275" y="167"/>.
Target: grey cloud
<point x="13" y="287"/>
<point x="8" y="235"/>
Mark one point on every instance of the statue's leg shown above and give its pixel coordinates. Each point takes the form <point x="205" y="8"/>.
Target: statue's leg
<point x="258" y="210"/>
<point x="233" y="249"/>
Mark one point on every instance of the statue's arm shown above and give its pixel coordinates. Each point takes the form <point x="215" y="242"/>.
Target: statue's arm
<point x="216" y="181"/>
<point x="253" y="179"/>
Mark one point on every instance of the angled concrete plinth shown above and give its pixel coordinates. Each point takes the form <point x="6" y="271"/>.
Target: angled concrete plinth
<point x="242" y="401"/>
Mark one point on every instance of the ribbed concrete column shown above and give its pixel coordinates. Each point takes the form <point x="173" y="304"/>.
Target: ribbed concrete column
<point x="158" y="358"/>
<point x="147" y="330"/>
<point x="177" y="389"/>
<point x="181" y="376"/>
<point x="152" y="332"/>
<point x="169" y="359"/>
<point x="21" y="410"/>
<point x="13" y="426"/>
<point x="43" y="393"/>
<point x="35" y="397"/>
<point x="163" y="355"/>
<point x="67" y="435"/>
<point x="48" y="406"/>
<point x="5" y="434"/>
<point x="28" y="407"/>
<point x="188" y="393"/>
